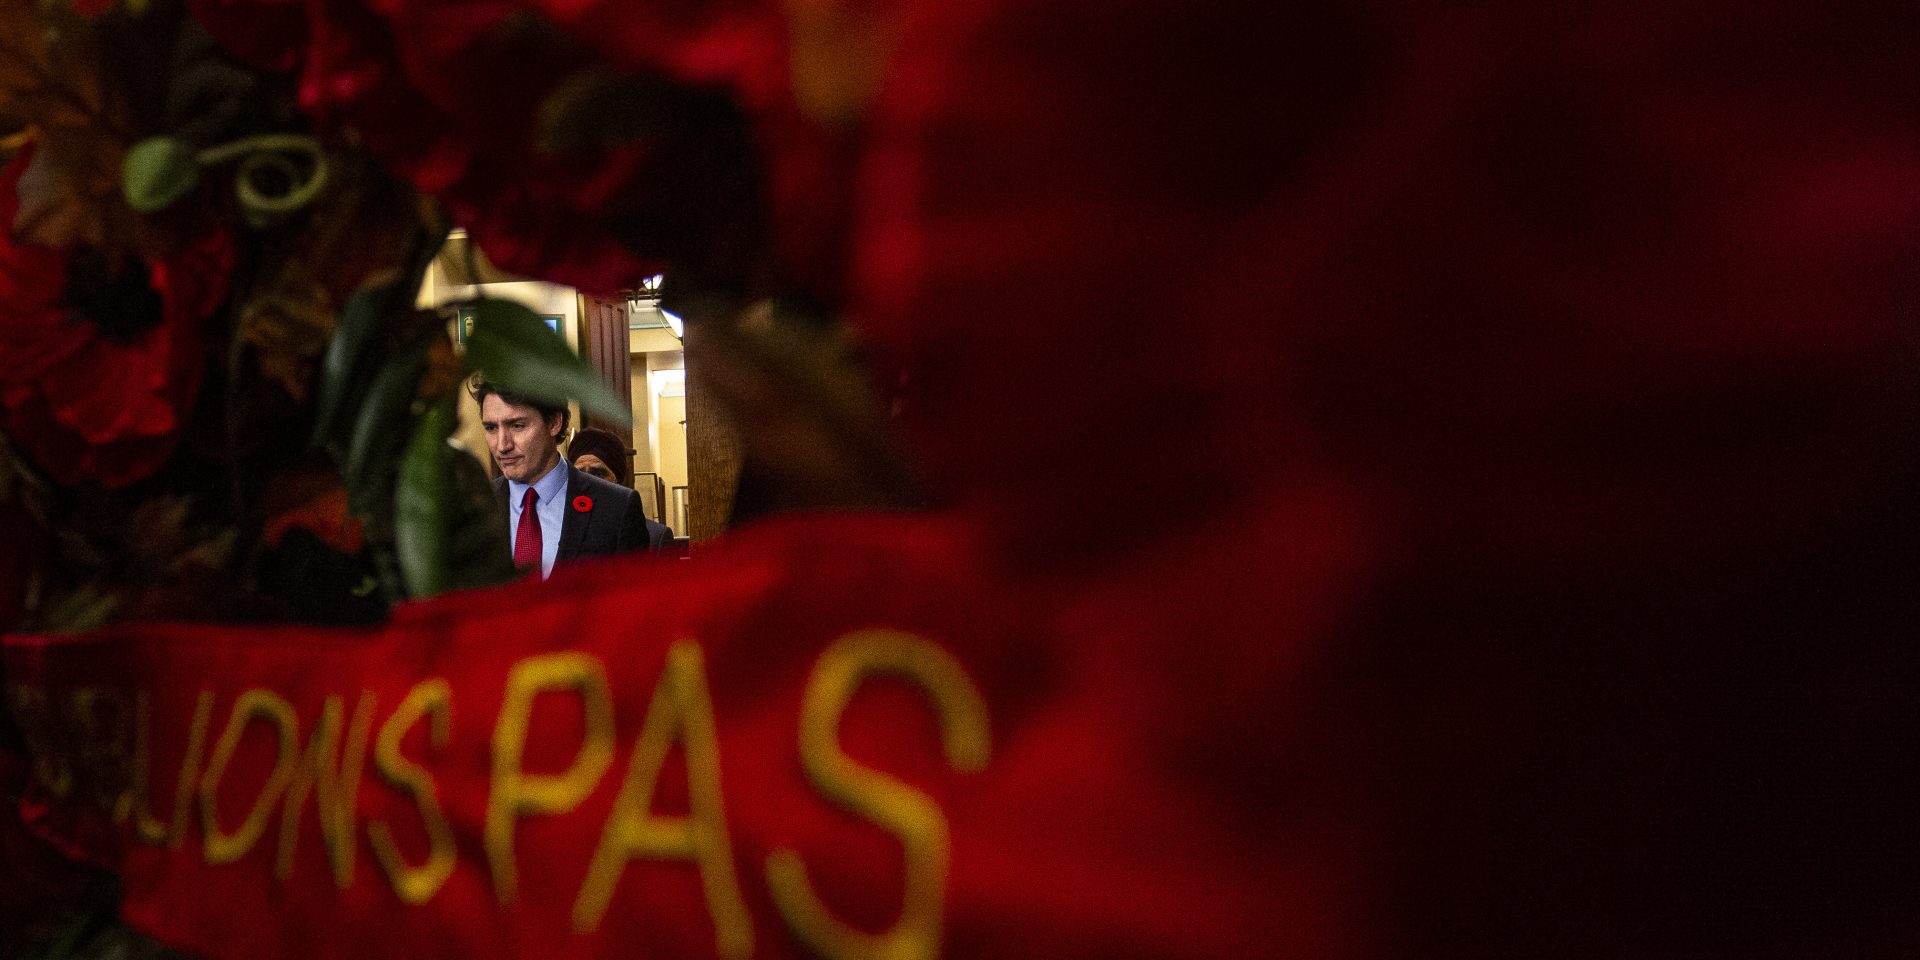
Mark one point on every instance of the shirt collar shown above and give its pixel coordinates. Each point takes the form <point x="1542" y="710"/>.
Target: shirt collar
<point x="547" y="489"/>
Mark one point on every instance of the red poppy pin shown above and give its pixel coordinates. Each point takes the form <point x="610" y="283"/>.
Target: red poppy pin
<point x="583" y="503"/>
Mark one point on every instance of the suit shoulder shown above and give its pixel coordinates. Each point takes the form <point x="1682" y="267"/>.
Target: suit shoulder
<point x="598" y="490"/>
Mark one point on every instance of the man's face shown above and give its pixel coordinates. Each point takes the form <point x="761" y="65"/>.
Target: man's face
<point x="521" y="440"/>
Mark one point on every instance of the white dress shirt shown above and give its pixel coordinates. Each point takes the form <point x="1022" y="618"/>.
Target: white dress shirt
<point x="549" y="494"/>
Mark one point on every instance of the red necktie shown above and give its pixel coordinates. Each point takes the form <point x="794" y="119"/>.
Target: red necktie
<point x="526" y="540"/>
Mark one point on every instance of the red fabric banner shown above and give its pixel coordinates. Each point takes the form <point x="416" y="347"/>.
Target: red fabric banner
<point x="1507" y="551"/>
<point x="831" y="732"/>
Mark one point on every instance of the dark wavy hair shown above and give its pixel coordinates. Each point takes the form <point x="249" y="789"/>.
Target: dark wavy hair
<point x="481" y="390"/>
<point x="606" y="445"/>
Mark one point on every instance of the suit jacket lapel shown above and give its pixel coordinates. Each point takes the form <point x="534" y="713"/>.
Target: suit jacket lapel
<point x="573" y="526"/>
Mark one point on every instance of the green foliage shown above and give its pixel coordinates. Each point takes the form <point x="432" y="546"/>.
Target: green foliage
<point x="293" y="164"/>
<point x="448" y="529"/>
<point x="476" y="530"/>
<point x="157" y="172"/>
<point x="594" y="108"/>
<point x="379" y="428"/>
<point x="90" y="929"/>
<point x="351" y="361"/>
<point x="516" y="351"/>
<point x="344" y="370"/>
<point x="421" y="502"/>
<point x="428" y="511"/>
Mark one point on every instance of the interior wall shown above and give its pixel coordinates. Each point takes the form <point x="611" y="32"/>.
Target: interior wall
<point x="642" y="439"/>
<point x="673" y="453"/>
<point x="666" y="428"/>
<point x="655" y="350"/>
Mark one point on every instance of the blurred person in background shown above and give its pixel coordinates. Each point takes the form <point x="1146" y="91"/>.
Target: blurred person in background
<point x="601" y="453"/>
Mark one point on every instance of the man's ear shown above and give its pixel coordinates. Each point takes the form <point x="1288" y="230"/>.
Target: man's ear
<point x="553" y="426"/>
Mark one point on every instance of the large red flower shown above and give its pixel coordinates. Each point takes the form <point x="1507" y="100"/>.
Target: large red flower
<point x="452" y="95"/>
<point x="99" y="364"/>
<point x="446" y="95"/>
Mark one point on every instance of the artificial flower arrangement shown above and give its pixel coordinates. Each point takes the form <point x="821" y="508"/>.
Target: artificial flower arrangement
<point x="218" y="395"/>
<point x="218" y="401"/>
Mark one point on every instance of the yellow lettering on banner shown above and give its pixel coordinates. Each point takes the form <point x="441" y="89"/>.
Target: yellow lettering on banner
<point x="145" y="826"/>
<point x="415" y="885"/>
<point x="515" y="793"/>
<point x="682" y="710"/>
<point x="903" y="811"/>
<point x="332" y="774"/>
<point x="104" y="743"/>
<point x="224" y="847"/>
<point x="32" y="712"/>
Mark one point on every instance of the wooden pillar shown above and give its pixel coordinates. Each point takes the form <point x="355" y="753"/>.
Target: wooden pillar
<point x="713" y="461"/>
<point x="713" y="444"/>
<point x="604" y="340"/>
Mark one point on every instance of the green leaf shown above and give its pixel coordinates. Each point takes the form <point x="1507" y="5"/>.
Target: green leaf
<point x="595" y="108"/>
<point x="421" y="503"/>
<point x="343" y="371"/>
<point x="449" y="530"/>
<point x="478" y="544"/>
<point x="339" y="369"/>
<point x="157" y="172"/>
<point x="86" y="608"/>
<point x="518" y="353"/>
<point x="377" y="429"/>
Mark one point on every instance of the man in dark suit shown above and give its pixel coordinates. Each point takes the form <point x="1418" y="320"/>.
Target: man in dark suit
<point x="555" y="513"/>
<point x="599" y="452"/>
